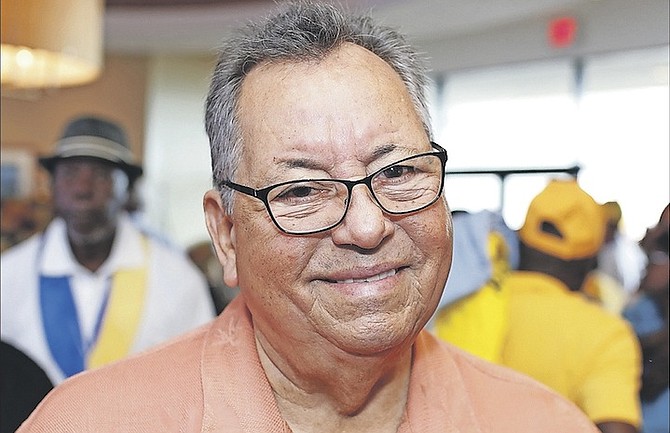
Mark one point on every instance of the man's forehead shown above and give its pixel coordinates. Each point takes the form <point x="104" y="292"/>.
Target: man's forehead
<point x="348" y="108"/>
<point x="310" y="93"/>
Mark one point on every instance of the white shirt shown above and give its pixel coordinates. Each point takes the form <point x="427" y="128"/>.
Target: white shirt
<point x="624" y="260"/>
<point x="177" y="295"/>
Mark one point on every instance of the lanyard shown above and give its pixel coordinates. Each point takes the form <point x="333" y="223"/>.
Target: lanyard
<point x="88" y="344"/>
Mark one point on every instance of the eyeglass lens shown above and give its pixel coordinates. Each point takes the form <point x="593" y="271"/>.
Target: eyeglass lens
<point x="313" y="205"/>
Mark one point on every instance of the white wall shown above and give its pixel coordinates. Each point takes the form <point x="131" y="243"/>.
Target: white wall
<point x="177" y="162"/>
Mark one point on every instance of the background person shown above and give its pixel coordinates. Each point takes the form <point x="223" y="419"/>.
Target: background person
<point x="329" y="216"/>
<point x="545" y="326"/>
<point x="473" y="311"/>
<point x="620" y="257"/>
<point x="619" y="267"/>
<point x="90" y="288"/>
<point x="648" y="313"/>
<point x="554" y="334"/>
<point x="23" y="384"/>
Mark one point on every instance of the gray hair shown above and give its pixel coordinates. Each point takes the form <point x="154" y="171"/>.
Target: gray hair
<point x="300" y="31"/>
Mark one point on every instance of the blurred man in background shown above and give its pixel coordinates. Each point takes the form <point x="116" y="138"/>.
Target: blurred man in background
<point x="648" y="313"/>
<point x="91" y="288"/>
<point x="556" y="335"/>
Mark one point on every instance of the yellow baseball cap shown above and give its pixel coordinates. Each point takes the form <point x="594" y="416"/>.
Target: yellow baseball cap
<point x="564" y="221"/>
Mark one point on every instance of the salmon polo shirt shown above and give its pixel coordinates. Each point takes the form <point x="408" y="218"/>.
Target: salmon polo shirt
<point x="211" y="380"/>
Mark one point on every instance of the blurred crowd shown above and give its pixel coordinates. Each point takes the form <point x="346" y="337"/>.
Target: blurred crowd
<point x="569" y="300"/>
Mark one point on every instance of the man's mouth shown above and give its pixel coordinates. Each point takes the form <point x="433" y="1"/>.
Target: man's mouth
<point x="369" y="279"/>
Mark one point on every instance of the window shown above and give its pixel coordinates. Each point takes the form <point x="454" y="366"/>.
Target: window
<point x="614" y="125"/>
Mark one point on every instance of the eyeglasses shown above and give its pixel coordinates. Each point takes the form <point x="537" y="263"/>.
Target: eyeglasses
<point x="308" y="206"/>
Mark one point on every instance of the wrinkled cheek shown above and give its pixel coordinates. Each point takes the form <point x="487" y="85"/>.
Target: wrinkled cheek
<point x="440" y="257"/>
<point x="258" y="258"/>
<point x="268" y="264"/>
<point x="438" y="233"/>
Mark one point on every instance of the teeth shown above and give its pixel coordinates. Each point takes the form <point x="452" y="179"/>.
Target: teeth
<point x="369" y="279"/>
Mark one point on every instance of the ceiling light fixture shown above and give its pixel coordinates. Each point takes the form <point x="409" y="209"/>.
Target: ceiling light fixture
<point x="48" y="43"/>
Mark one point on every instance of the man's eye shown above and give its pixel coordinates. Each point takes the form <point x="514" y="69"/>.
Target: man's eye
<point x="396" y="171"/>
<point x="306" y="192"/>
<point x="298" y="191"/>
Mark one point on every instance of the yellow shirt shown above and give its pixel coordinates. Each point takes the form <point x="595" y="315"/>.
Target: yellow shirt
<point x="574" y="346"/>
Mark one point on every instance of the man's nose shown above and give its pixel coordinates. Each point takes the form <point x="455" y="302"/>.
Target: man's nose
<point x="365" y="224"/>
<point x="82" y="180"/>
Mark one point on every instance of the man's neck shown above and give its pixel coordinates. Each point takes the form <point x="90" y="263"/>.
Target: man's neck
<point x="348" y="394"/>
<point x="91" y="254"/>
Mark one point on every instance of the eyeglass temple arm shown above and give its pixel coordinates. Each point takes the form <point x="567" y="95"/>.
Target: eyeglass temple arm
<point x="241" y="188"/>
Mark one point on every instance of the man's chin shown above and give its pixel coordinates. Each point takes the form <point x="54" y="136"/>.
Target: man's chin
<point x="88" y="233"/>
<point x="83" y="228"/>
<point x="85" y="221"/>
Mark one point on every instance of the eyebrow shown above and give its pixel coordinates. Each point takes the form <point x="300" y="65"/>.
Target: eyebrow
<point x="311" y="164"/>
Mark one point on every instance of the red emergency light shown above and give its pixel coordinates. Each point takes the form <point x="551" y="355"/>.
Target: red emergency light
<point x="562" y="31"/>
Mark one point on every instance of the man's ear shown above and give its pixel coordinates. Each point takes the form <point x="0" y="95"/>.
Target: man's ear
<point x="222" y="232"/>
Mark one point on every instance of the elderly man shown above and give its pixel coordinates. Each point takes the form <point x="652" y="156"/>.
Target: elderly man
<point x="328" y="214"/>
<point x="92" y="288"/>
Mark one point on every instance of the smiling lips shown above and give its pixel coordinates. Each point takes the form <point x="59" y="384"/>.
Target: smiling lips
<point x="370" y="279"/>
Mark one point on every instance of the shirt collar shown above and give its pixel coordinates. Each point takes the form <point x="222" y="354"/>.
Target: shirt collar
<point x="127" y="250"/>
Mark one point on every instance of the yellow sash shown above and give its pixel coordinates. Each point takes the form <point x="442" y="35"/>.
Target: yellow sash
<point x="122" y="318"/>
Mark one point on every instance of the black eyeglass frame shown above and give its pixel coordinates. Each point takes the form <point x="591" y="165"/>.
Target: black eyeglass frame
<point x="262" y="193"/>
